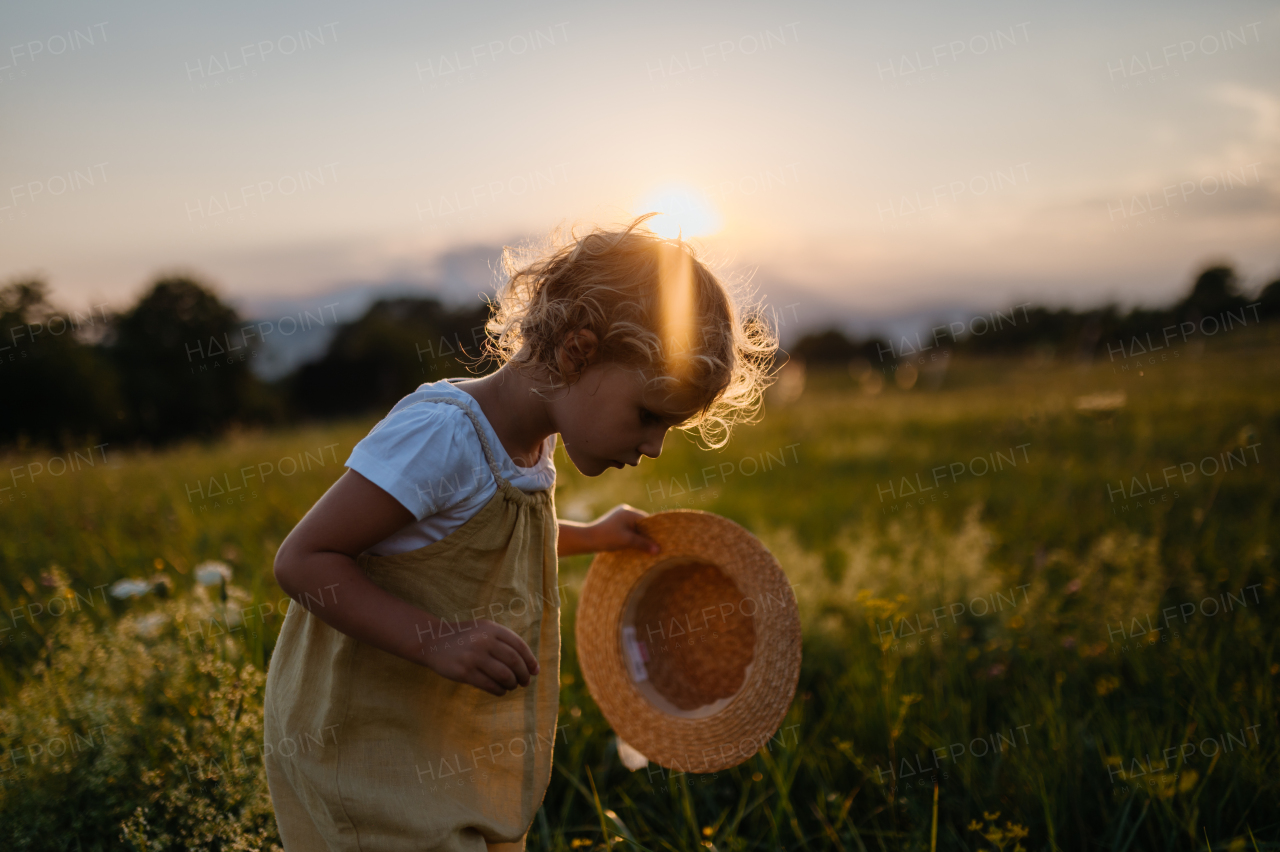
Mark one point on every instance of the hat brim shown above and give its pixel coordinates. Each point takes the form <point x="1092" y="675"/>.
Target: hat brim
<point x="731" y="731"/>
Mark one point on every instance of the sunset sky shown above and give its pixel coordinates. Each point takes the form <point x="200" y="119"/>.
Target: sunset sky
<point x="872" y="157"/>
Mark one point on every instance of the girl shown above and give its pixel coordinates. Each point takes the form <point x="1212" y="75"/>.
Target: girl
<point x="411" y="699"/>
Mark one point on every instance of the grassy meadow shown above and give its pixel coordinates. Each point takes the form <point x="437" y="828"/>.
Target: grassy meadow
<point x="1013" y="640"/>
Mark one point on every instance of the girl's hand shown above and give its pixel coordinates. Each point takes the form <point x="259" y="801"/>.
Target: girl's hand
<point x="617" y="530"/>
<point x="485" y="655"/>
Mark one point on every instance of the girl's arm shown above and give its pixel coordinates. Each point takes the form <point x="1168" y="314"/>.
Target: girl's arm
<point x="615" y="530"/>
<point x="316" y="566"/>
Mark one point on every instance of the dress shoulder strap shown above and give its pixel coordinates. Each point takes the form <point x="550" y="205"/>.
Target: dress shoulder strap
<point x="475" y="422"/>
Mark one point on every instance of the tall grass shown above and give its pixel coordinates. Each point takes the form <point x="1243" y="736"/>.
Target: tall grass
<point x="1051" y="709"/>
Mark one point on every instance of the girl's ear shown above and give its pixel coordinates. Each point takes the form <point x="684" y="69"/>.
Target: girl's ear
<point x="577" y="351"/>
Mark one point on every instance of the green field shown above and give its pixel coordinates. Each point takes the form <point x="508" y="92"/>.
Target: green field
<point x="1054" y="695"/>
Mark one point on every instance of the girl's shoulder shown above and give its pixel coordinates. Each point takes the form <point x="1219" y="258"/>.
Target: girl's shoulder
<point x="433" y="403"/>
<point x="425" y="454"/>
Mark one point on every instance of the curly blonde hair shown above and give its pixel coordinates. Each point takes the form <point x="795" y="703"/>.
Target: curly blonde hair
<point x="652" y="304"/>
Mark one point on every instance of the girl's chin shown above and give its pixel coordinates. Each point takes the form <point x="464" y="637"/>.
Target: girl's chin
<point x="595" y="467"/>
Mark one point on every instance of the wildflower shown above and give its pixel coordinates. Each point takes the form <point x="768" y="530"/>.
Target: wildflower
<point x="129" y="588"/>
<point x="56" y="578"/>
<point x="630" y="757"/>
<point x="1106" y="685"/>
<point x="149" y="625"/>
<point x="212" y="572"/>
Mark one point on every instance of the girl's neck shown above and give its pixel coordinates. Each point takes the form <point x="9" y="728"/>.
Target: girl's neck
<point x="519" y="417"/>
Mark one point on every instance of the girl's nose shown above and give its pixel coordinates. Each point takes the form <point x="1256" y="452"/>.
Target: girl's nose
<point x="652" y="447"/>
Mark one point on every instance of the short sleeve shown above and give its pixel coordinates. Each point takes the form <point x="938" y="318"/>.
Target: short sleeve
<point x="425" y="455"/>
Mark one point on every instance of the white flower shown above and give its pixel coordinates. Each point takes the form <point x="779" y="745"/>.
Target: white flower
<point x="149" y="625"/>
<point x="631" y="758"/>
<point x="212" y="573"/>
<point x="130" y="588"/>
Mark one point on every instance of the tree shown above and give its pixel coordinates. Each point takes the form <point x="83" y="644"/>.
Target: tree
<point x="1216" y="291"/>
<point x="58" y="389"/>
<point x="832" y="348"/>
<point x="396" y="346"/>
<point x="183" y="365"/>
<point x="1270" y="299"/>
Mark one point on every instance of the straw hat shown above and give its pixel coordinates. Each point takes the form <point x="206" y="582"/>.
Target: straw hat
<point x="692" y="653"/>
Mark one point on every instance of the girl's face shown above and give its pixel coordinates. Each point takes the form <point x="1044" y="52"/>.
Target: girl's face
<point x="607" y="420"/>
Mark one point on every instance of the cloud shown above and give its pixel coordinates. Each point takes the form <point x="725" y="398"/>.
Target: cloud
<point x="1264" y="106"/>
<point x="1258" y="138"/>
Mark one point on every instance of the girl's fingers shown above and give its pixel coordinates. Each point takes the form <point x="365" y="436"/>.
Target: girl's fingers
<point x="501" y="674"/>
<point x="640" y="541"/>
<point x="513" y="640"/>
<point x="629" y="521"/>
<point x="480" y="680"/>
<point x="509" y="657"/>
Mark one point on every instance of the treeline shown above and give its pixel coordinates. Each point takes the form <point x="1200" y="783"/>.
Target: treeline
<point x="1214" y="305"/>
<point x="178" y="364"/>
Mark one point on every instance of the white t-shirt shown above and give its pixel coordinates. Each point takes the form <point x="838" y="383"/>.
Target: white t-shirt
<point x="428" y="456"/>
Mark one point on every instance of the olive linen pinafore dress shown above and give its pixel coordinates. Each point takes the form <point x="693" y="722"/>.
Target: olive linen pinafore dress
<point x="367" y="752"/>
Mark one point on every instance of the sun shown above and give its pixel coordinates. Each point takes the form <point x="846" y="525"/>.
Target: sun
<point x="682" y="212"/>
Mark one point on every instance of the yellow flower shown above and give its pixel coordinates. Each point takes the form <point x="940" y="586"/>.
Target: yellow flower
<point x="1106" y="684"/>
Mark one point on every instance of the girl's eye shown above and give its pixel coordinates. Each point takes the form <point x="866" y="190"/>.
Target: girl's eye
<point x="648" y="417"/>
